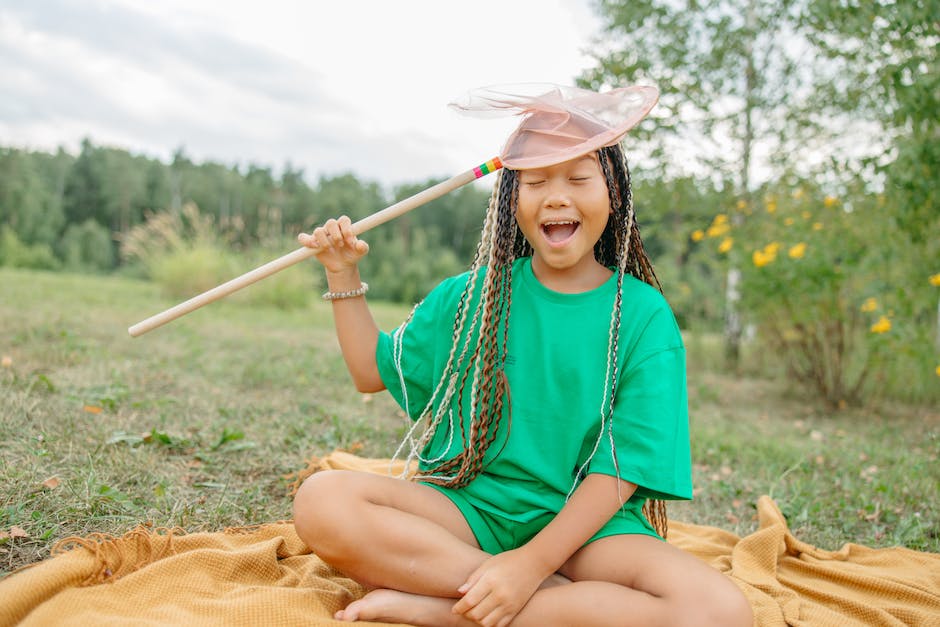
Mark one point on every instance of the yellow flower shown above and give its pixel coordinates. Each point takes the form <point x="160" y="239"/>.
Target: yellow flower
<point x="937" y="371"/>
<point x="726" y="245"/>
<point x="882" y="326"/>
<point x="935" y="280"/>
<point x="798" y="193"/>
<point x="721" y="218"/>
<point x="830" y="201"/>
<point x="742" y="205"/>
<point x="806" y="215"/>
<point x="772" y="248"/>
<point x="788" y="221"/>
<point x="817" y="226"/>
<point x="718" y="229"/>
<point x="697" y="235"/>
<point x="771" y="205"/>
<point x="761" y="258"/>
<point x="797" y="251"/>
<point x="869" y="305"/>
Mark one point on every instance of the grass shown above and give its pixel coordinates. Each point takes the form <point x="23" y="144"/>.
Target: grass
<point x="200" y="424"/>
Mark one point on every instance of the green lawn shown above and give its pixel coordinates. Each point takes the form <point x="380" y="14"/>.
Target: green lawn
<point x="199" y="425"/>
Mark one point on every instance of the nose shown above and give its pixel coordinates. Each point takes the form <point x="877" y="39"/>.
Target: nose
<point x="557" y="195"/>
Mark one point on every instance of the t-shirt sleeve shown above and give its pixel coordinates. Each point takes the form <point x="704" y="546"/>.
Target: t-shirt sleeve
<point x="651" y="419"/>
<point x="406" y="357"/>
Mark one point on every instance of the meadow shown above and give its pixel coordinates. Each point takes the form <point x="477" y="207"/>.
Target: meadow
<point x="202" y="425"/>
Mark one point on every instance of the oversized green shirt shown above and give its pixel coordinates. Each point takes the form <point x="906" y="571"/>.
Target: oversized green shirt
<point x="556" y="364"/>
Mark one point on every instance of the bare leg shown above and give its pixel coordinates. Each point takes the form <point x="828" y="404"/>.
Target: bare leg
<point x="653" y="584"/>
<point x="412" y="541"/>
<point x="387" y="533"/>
<point x="414" y="609"/>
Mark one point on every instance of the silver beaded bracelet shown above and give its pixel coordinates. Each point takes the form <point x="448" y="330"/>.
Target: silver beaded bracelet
<point x="359" y="291"/>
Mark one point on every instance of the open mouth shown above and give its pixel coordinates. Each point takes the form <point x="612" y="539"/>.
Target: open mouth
<point x="559" y="231"/>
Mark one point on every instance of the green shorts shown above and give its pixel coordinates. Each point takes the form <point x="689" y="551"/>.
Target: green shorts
<point x="496" y="533"/>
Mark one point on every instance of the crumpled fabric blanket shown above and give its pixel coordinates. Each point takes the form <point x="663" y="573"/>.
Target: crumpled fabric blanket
<point x="264" y="575"/>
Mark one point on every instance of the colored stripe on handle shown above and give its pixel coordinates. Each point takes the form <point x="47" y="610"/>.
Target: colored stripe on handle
<point x="490" y="166"/>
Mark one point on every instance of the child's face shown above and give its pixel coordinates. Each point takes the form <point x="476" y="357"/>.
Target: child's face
<point x="563" y="210"/>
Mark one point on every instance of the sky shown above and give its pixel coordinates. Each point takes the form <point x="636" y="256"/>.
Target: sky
<point x="357" y="86"/>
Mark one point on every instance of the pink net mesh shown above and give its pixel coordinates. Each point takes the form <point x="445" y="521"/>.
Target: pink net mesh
<point x="560" y="122"/>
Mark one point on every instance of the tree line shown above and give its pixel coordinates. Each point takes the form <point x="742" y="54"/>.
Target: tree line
<point x="61" y="211"/>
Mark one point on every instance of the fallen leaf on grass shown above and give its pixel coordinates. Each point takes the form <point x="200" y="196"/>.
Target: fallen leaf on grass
<point x="6" y="361"/>
<point x="18" y="532"/>
<point x="51" y="483"/>
<point x="92" y="409"/>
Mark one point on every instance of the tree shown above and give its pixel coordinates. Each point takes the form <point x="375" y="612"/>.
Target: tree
<point x="83" y="195"/>
<point x="27" y="206"/>
<point x="727" y="82"/>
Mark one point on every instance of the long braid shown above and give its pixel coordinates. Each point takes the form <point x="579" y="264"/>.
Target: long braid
<point x="489" y="389"/>
<point x="455" y="365"/>
<point x="630" y="257"/>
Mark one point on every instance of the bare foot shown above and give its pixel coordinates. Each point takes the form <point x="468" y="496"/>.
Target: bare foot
<point x="393" y="606"/>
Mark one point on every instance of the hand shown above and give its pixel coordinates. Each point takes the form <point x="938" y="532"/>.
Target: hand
<point x="500" y="588"/>
<point x="338" y="247"/>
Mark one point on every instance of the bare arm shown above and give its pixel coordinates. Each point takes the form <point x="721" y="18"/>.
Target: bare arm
<point x="504" y="583"/>
<point x="593" y="503"/>
<point x="340" y="252"/>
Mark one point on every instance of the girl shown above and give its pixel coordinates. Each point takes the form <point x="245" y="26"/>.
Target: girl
<point x="551" y="382"/>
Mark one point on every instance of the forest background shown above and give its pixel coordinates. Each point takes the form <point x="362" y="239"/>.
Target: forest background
<point x="809" y="225"/>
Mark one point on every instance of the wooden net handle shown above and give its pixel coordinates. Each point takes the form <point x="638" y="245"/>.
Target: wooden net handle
<point x="380" y="217"/>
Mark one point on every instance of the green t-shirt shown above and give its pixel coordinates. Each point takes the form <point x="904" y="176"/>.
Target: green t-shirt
<point x="556" y="364"/>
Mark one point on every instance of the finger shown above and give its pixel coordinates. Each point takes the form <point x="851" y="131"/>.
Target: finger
<point x="471" y="580"/>
<point x="467" y="602"/>
<point x="493" y="619"/>
<point x="306" y="240"/>
<point x="333" y="232"/>
<point x="320" y="235"/>
<point x="345" y="227"/>
<point x="361" y="247"/>
<point x="479" y="606"/>
<point x="485" y="614"/>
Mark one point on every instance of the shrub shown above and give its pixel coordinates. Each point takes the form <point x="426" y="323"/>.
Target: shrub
<point x="290" y="288"/>
<point x="828" y="285"/>
<point x="16" y="254"/>
<point x="88" y="246"/>
<point x="187" y="271"/>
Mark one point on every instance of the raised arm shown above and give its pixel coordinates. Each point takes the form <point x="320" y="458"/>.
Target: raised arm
<point x="339" y="252"/>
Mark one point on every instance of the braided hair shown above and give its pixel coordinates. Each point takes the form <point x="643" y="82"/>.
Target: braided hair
<point x="480" y="363"/>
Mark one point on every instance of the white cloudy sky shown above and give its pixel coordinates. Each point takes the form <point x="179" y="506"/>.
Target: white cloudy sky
<point x="345" y="85"/>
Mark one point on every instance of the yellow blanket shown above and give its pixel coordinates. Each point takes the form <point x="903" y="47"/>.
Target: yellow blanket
<point x="265" y="576"/>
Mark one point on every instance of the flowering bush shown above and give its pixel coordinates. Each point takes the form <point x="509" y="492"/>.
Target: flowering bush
<point x="822" y="282"/>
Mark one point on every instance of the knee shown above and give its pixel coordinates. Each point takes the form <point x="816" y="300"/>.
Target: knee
<point x="727" y="607"/>
<point x="319" y="506"/>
